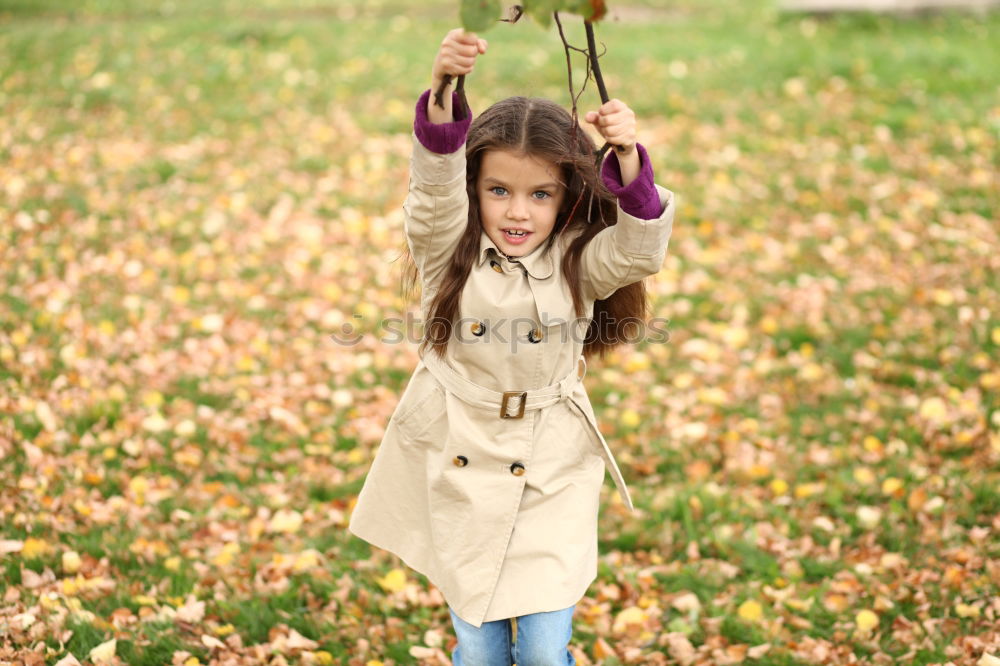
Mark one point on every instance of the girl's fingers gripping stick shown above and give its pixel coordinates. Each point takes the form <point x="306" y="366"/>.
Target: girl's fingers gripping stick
<point x="615" y="121"/>
<point x="456" y="57"/>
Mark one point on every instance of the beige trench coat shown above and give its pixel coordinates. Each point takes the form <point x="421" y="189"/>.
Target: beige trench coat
<point x="500" y="514"/>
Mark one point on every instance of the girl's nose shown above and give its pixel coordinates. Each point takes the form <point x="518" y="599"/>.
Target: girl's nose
<point x="517" y="210"/>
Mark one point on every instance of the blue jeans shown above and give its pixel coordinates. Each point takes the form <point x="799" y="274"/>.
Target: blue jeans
<point x="541" y="640"/>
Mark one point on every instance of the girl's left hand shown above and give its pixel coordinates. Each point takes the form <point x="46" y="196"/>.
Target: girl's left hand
<point x="616" y="123"/>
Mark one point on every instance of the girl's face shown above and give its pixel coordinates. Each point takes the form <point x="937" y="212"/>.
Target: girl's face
<point x="521" y="194"/>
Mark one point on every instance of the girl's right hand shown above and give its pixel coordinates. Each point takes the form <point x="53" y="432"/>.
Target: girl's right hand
<point x="457" y="55"/>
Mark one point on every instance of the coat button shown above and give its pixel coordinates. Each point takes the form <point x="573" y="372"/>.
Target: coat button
<point x="496" y="266"/>
<point x="478" y="328"/>
<point x="460" y="461"/>
<point x="535" y="335"/>
<point x="517" y="469"/>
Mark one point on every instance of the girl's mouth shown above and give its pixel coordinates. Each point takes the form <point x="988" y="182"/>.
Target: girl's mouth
<point x="515" y="236"/>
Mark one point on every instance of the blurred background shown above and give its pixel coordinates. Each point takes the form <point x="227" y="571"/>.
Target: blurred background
<point x="196" y="198"/>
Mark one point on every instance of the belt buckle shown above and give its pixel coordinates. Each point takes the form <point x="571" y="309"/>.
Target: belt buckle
<point x="507" y="395"/>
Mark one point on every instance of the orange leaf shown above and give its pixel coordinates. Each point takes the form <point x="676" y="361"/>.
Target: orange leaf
<point x="602" y="650"/>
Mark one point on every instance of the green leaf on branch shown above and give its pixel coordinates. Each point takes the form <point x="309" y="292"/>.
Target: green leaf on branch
<point x="590" y="10"/>
<point x="478" y="15"/>
<point x="541" y="10"/>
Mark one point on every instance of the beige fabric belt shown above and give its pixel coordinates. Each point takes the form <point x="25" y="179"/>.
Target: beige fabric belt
<point x="506" y="401"/>
<point x="509" y="404"/>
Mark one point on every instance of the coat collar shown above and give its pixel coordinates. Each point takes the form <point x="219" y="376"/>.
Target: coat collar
<point x="538" y="263"/>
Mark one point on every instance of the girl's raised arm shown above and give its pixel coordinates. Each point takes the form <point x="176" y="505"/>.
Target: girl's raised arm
<point x="437" y="205"/>
<point x="635" y="247"/>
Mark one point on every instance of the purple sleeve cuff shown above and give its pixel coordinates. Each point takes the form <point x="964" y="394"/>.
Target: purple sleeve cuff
<point x="640" y="198"/>
<point x="445" y="138"/>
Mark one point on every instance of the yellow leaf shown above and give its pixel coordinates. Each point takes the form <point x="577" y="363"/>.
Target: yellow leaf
<point x="869" y="516"/>
<point x="152" y="399"/>
<point x="630" y="418"/>
<point x="804" y="490"/>
<point x="286" y="521"/>
<point x="866" y="620"/>
<point x="71" y="561"/>
<point x="24" y="620"/>
<point x="144" y="600"/>
<point x="155" y="423"/>
<point x="811" y="372"/>
<point x="186" y="428"/>
<point x="637" y="362"/>
<point x="226" y="555"/>
<point x="836" y="603"/>
<point x="883" y="603"/>
<point x="995" y="335"/>
<point x="172" y="563"/>
<point x="712" y="396"/>
<point x="892" y="486"/>
<point x="70" y="586"/>
<point x="872" y="444"/>
<point x="864" y="475"/>
<point x="683" y="380"/>
<point x="631" y="615"/>
<point x="307" y="559"/>
<point x="933" y="409"/>
<point x="800" y="604"/>
<point x="34" y="548"/>
<point x="750" y="610"/>
<point x="965" y="610"/>
<point x="211" y="642"/>
<point x="990" y="380"/>
<point x="394" y="581"/>
<point x="736" y="336"/>
<point x="104" y="652"/>
<point x="943" y="297"/>
<point x="779" y="487"/>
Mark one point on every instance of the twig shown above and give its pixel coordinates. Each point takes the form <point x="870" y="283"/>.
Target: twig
<point x="459" y="88"/>
<point x="595" y="67"/>
<point x="567" y="47"/>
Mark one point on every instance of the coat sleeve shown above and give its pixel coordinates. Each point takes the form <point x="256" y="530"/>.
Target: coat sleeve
<point x="436" y="209"/>
<point x="628" y="251"/>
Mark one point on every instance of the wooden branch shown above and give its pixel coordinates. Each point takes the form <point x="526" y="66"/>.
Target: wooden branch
<point x="595" y="67"/>
<point x="459" y="88"/>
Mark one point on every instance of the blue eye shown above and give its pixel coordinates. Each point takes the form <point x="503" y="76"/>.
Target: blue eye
<point x="545" y="195"/>
<point x="497" y="190"/>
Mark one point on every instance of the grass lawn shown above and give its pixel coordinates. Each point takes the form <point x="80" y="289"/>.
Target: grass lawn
<point x="194" y="196"/>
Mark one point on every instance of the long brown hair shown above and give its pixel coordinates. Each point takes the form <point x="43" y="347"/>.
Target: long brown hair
<point x="543" y="129"/>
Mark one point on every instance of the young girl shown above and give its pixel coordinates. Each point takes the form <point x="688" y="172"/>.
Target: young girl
<point x="488" y="478"/>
